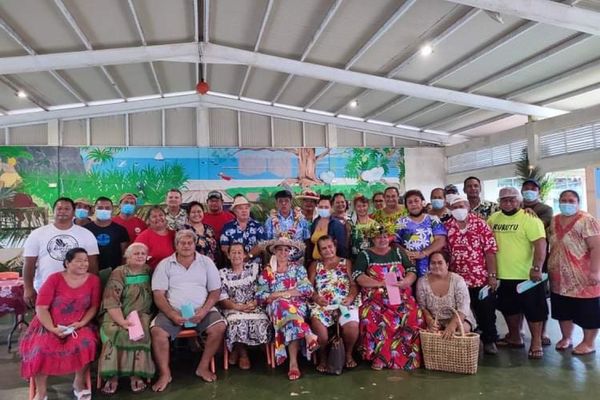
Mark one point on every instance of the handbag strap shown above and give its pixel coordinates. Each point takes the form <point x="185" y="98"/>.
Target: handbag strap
<point x="457" y="315"/>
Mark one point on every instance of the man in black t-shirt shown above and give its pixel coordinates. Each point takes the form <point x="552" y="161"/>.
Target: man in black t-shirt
<point x="112" y="238"/>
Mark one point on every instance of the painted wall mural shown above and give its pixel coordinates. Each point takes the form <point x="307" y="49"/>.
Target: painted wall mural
<point x="39" y="174"/>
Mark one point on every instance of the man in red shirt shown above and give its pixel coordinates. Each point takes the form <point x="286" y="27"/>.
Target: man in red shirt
<point x="127" y="218"/>
<point x="215" y="216"/>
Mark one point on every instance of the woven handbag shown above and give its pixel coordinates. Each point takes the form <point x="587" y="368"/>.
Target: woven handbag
<point x="459" y="354"/>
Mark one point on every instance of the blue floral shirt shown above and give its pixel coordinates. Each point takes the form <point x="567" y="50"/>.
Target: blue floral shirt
<point x="415" y="236"/>
<point x="285" y="224"/>
<point x="250" y="237"/>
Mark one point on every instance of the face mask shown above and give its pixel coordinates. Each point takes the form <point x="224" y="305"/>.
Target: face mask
<point x="437" y="204"/>
<point x="568" y="209"/>
<point x="103" y="215"/>
<point x="530" y="195"/>
<point x="128" y="209"/>
<point x="509" y="213"/>
<point x="460" y="214"/>
<point x="324" y="212"/>
<point x="81" y="213"/>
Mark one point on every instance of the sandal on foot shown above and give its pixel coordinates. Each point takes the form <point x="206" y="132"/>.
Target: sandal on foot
<point x="563" y="347"/>
<point x="536" y="354"/>
<point x="84" y="394"/>
<point x="321" y="368"/>
<point x="110" y="387"/>
<point x="546" y="341"/>
<point x="294" y="374"/>
<point x="506" y="343"/>
<point x="585" y="353"/>
<point x="312" y="345"/>
<point x="138" y="386"/>
<point x="350" y="364"/>
<point x="377" y="365"/>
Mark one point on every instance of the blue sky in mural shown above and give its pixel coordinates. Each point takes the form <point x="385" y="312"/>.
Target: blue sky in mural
<point x="230" y="163"/>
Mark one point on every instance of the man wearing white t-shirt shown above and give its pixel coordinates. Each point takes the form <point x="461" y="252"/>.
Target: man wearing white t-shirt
<point x="45" y="248"/>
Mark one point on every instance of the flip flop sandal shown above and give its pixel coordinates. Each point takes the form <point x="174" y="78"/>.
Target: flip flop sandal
<point x="535" y="354"/>
<point x="546" y="341"/>
<point x="351" y="364"/>
<point x="138" y="386"/>
<point x="513" y="345"/>
<point x="294" y="374"/>
<point x="321" y="368"/>
<point x="84" y="394"/>
<point x="563" y="348"/>
<point x="583" y="354"/>
<point x="109" y="388"/>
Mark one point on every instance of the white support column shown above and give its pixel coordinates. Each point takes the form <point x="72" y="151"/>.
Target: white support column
<point x="127" y="132"/>
<point x="53" y="133"/>
<point x="331" y="136"/>
<point x="303" y="134"/>
<point x="533" y="145"/>
<point x="239" y="128"/>
<point x="202" y="127"/>
<point x="6" y="136"/>
<point x="88" y="132"/>
<point x="272" y="130"/>
<point x="163" y="127"/>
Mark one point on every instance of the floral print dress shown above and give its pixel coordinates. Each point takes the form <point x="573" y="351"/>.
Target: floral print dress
<point x="389" y="333"/>
<point x="334" y="286"/>
<point x="249" y="328"/>
<point x="206" y="243"/>
<point x="288" y="315"/>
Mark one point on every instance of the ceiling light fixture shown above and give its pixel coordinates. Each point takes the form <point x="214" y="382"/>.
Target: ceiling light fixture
<point x="426" y="50"/>
<point x="21" y="94"/>
<point x="353" y="103"/>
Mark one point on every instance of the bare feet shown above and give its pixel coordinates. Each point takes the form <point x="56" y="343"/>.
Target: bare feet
<point x="162" y="383"/>
<point x="206" y="375"/>
<point x="244" y="363"/>
<point x="322" y="367"/>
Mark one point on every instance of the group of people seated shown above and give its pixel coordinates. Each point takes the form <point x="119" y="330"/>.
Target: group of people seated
<point x="381" y="274"/>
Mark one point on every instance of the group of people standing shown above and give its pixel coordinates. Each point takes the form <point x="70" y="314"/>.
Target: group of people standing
<point x="385" y="271"/>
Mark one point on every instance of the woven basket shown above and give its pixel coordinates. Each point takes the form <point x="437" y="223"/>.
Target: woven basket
<point x="458" y="354"/>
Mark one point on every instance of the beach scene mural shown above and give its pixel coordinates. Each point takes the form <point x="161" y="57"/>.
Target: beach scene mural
<point x="33" y="177"/>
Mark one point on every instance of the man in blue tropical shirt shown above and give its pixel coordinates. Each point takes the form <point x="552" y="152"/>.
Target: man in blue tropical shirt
<point x="243" y="229"/>
<point x="287" y="222"/>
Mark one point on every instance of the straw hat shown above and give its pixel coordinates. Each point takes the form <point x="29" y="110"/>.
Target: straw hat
<point x="308" y="194"/>
<point x="284" y="241"/>
<point x="83" y="201"/>
<point x="239" y="201"/>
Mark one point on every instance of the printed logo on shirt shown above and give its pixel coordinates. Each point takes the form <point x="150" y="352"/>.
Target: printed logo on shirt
<point x="505" y="227"/>
<point x="59" y="245"/>
<point x="103" y="239"/>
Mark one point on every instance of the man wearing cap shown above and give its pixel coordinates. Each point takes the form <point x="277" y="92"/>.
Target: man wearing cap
<point x="45" y="248"/>
<point x="83" y="211"/>
<point x="112" y="238"/>
<point x="285" y="221"/>
<point x="243" y="229"/>
<point x="127" y="219"/>
<point x="450" y="189"/>
<point x="215" y="216"/>
<point x="473" y="248"/>
<point x="176" y="216"/>
<point x="309" y="205"/>
<point x="521" y="252"/>
<point x="483" y="208"/>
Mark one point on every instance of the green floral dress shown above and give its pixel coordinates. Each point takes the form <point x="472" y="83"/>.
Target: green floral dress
<point x="120" y="356"/>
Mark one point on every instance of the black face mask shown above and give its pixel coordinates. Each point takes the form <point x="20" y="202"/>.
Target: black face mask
<point x="509" y="213"/>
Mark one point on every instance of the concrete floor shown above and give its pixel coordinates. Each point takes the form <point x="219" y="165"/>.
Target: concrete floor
<point x="509" y="375"/>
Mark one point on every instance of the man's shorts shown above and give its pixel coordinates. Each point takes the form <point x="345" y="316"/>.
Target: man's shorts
<point x="162" y="321"/>
<point x="531" y="303"/>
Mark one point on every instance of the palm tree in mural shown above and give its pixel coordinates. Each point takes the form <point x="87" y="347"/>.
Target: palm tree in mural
<point x="99" y="155"/>
<point x="524" y="170"/>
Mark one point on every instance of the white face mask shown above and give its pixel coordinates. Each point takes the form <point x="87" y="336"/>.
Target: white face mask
<point x="460" y="214"/>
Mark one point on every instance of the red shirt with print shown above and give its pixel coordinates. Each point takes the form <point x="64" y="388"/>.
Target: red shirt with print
<point x="468" y="247"/>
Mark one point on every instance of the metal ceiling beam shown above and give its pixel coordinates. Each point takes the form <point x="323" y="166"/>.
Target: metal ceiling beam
<point x="328" y="17"/>
<point x="261" y="32"/>
<point x="16" y="86"/>
<point x="280" y="64"/>
<point x="21" y="42"/>
<point x="595" y="63"/>
<point x="532" y="60"/>
<point x="194" y="100"/>
<point x="544" y="11"/>
<point x="140" y="31"/>
<point x="365" y="47"/>
<point x="71" y="20"/>
<point x="462" y="21"/>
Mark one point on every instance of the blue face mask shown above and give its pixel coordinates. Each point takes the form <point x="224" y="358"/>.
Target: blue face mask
<point x="568" y="209"/>
<point x="437" y="204"/>
<point x="128" y="209"/>
<point x="103" y="215"/>
<point x="81" y="213"/>
<point x="530" y="195"/>
<point x="324" y="212"/>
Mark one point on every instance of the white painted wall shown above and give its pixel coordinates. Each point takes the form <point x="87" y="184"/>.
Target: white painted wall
<point x="425" y="169"/>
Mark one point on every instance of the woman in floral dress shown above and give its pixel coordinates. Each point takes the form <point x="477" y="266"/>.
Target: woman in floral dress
<point x="206" y="242"/>
<point x="361" y="225"/>
<point x="247" y="323"/>
<point x="334" y="290"/>
<point x="389" y="333"/>
<point x="284" y="289"/>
